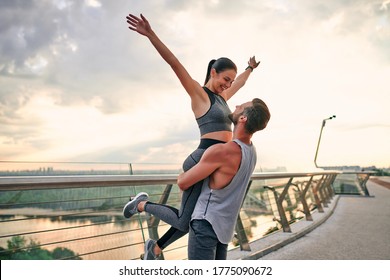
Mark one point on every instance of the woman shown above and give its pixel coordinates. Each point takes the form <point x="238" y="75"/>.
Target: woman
<point x="211" y="111"/>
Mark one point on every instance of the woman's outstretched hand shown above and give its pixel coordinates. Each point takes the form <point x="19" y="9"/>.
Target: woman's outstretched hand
<point x="252" y="62"/>
<point x="140" y="25"/>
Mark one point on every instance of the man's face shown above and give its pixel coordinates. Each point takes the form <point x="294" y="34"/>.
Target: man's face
<point x="239" y="111"/>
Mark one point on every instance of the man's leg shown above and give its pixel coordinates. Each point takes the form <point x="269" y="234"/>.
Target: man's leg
<point x="221" y="253"/>
<point x="202" y="241"/>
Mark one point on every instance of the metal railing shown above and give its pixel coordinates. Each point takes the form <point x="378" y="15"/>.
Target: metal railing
<point x="80" y="217"/>
<point x="353" y="183"/>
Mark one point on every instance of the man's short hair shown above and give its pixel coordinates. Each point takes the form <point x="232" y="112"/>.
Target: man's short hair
<point x="258" y="116"/>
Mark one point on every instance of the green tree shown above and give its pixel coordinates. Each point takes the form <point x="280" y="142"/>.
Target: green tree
<point x="16" y="243"/>
<point x="20" y="249"/>
<point x="64" y="253"/>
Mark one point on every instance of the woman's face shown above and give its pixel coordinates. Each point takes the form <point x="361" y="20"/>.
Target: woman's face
<point x="222" y="80"/>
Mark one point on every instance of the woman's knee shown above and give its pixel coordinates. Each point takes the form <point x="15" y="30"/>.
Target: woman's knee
<point x="184" y="224"/>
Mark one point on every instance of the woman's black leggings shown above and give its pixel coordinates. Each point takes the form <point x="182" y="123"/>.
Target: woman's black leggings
<point x="180" y="219"/>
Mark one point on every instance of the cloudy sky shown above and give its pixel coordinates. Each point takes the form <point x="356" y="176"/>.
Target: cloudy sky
<point x="77" y="85"/>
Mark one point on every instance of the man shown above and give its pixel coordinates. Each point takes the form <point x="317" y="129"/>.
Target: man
<point x="226" y="170"/>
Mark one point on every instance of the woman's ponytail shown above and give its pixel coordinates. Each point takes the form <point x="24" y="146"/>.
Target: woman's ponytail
<point x="209" y="71"/>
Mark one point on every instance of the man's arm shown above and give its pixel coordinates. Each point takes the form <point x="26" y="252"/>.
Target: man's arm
<point x="211" y="160"/>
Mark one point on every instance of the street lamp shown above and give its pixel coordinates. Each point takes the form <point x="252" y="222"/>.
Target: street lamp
<point x="319" y="139"/>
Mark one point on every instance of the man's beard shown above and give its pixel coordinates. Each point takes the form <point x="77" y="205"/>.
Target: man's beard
<point x="234" y="118"/>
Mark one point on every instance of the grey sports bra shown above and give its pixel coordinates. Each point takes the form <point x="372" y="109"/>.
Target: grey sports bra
<point x="216" y="118"/>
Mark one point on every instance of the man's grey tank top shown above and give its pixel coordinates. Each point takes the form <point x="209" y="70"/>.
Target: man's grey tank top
<point x="216" y="118"/>
<point x="221" y="207"/>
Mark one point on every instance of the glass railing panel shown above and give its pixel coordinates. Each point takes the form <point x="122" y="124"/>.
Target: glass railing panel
<point x="347" y="184"/>
<point x="78" y="219"/>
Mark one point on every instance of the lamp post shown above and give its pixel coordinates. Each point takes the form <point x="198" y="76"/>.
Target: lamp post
<point x="319" y="139"/>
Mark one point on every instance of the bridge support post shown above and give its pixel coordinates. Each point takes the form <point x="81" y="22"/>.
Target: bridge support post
<point x="240" y="230"/>
<point x="302" y="197"/>
<point x="316" y="197"/>
<point x="279" y="203"/>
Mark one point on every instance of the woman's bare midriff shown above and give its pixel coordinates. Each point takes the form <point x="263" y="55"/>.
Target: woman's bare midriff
<point x="224" y="136"/>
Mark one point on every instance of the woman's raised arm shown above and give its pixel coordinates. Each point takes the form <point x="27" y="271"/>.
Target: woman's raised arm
<point x="241" y="79"/>
<point x="142" y="26"/>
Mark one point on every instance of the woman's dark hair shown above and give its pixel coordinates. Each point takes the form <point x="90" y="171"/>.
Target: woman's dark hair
<point x="221" y="64"/>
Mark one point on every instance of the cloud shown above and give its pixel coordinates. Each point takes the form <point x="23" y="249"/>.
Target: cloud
<point x="28" y="28"/>
<point x="76" y="83"/>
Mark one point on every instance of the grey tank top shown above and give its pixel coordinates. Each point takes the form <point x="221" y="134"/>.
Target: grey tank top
<point x="221" y="207"/>
<point x="216" y="118"/>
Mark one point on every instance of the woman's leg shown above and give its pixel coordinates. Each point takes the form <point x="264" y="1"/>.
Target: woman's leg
<point x="179" y="220"/>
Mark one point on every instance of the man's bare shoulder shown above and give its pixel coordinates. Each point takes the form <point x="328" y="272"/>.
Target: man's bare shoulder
<point x="224" y="151"/>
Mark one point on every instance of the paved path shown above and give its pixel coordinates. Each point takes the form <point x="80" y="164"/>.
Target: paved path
<point x="358" y="229"/>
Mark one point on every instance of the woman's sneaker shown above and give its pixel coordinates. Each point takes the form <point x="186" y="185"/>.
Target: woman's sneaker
<point x="149" y="250"/>
<point x="131" y="207"/>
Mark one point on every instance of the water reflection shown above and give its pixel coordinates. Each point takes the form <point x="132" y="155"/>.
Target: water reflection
<point x="90" y="223"/>
<point x="90" y="236"/>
